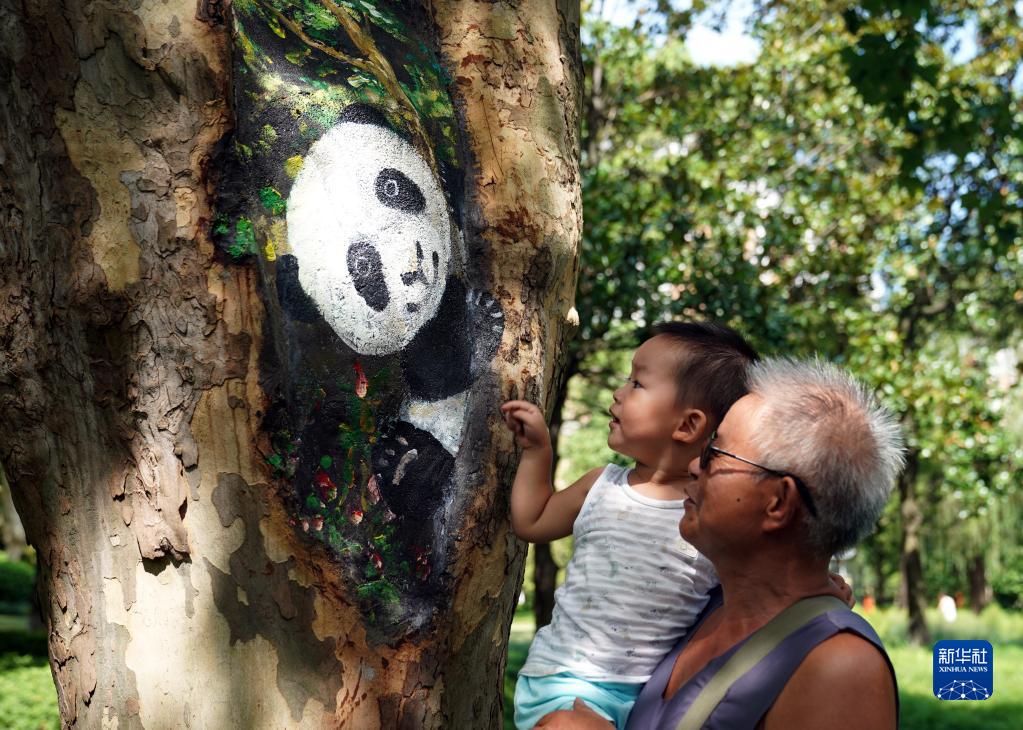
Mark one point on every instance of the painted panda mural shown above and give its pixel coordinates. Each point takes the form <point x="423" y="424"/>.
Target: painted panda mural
<point x="374" y="254"/>
<point x="343" y="184"/>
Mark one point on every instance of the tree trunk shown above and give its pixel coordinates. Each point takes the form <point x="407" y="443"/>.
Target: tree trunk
<point x="12" y="533"/>
<point x="545" y="578"/>
<point x="545" y="568"/>
<point x="148" y="357"/>
<point x="980" y="590"/>
<point x="910" y="561"/>
<point x="880" y="572"/>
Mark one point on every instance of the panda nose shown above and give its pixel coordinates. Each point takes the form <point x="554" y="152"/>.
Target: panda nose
<point x="367" y="274"/>
<point x="411" y="277"/>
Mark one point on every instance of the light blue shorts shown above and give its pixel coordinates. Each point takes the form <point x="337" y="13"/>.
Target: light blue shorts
<point x="537" y="696"/>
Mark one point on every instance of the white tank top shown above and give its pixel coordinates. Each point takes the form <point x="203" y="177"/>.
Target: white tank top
<point x="632" y="587"/>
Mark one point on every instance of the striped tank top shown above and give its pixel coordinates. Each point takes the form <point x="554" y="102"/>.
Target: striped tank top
<point x="632" y="588"/>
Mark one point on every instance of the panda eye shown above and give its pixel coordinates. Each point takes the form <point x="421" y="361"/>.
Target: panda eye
<point x="396" y="190"/>
<point x="366" y="270"/>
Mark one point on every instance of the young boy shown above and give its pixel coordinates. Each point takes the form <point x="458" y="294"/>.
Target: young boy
<point x="633" y="585"/>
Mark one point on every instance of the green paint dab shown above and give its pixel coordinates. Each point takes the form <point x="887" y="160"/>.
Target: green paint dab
<point x="272" y="200"/>
<point x="244" y="239"/>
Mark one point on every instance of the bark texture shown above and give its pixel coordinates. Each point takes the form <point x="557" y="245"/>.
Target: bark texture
<point x="518" y="78"/>
<point x="174" y="589"/>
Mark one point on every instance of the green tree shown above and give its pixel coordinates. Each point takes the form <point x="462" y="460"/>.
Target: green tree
<point x="854" y="192"/>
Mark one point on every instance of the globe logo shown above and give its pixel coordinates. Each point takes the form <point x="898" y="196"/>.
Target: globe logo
<point x="958" y="690"/>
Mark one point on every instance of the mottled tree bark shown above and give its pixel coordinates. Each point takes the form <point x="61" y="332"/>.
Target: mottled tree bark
<point x="174" y="589"/>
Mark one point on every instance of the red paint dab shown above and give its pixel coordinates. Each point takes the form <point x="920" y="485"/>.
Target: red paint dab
<point x="361" y="382"/>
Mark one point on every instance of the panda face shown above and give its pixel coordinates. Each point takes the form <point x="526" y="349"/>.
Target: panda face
<point x="368" y="223"/>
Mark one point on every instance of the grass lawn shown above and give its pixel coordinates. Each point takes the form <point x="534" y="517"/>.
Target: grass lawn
<point x="518" y="645"/>
<point x="920" y="709"/>
<point x="13" y="623"/>
<point x="28" y="700"/>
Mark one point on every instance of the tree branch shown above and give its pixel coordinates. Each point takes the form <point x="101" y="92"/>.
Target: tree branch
<point x="374" y="64"/>
<point x="313" y="43"/>
<point x="378" y="65"/>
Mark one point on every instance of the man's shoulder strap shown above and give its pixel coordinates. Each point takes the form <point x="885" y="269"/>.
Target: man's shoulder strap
<point x="756" y="647"/>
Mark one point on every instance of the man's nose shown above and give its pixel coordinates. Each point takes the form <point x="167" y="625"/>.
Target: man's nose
<point x="694" y="468"/>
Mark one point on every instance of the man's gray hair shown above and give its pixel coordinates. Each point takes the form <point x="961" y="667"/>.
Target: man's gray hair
<point x="825" y="427"/>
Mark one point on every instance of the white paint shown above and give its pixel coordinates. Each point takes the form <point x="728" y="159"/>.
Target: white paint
<point x="442" y="418"/>
<point x="333" y="205"/>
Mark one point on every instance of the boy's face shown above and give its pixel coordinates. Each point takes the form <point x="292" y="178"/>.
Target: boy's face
<point x="646" y="411"/>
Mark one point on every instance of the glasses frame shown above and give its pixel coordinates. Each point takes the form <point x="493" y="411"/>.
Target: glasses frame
<point x="706" y="455"/>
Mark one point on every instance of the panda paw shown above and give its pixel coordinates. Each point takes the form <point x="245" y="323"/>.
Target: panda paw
<point x="412" y="469"/>
<point x="488" y="325"/>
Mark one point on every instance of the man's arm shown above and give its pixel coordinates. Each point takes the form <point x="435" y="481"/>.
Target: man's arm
<point x="844" y="679"/>
<point x="538" y="513"/>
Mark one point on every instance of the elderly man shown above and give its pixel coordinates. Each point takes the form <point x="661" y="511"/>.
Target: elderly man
<point x="799" y="469"/>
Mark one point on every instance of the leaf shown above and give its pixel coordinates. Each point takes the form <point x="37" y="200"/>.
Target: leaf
<point x="272" y="201"/>
<point x="297" y="57"/>
<point x="293" y="165"/>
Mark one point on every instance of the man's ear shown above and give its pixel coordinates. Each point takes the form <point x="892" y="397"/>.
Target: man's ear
<point x="692" y="427"/>
<point x="782" y="504"/>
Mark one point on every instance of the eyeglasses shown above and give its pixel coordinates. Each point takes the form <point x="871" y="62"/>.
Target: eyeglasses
<point x="710" y="451"/>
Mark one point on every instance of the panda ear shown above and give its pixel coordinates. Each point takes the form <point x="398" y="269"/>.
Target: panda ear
<point x="364" y="114"/>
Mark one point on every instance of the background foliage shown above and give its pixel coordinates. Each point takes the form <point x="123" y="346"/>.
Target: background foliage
<point x="854" y="192"/>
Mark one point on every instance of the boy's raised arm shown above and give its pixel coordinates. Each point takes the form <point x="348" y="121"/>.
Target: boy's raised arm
<point x="538" y="513"/>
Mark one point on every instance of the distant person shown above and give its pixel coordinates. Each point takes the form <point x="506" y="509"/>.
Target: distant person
<point x="799" y="470"/>
<point x="947" y="608"/>
<point x="633" y="586"/>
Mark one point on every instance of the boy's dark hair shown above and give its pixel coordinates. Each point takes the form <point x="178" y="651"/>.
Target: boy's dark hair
<point x="712" y="365"/>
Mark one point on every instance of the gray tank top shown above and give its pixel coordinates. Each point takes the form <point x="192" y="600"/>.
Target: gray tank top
<point x="752" y="695"/>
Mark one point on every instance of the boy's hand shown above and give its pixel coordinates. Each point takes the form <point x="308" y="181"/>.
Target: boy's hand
<point x="526" y="422"/>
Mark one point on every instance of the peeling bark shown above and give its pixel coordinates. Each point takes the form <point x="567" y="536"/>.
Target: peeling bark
<point x="174" y="590"/>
